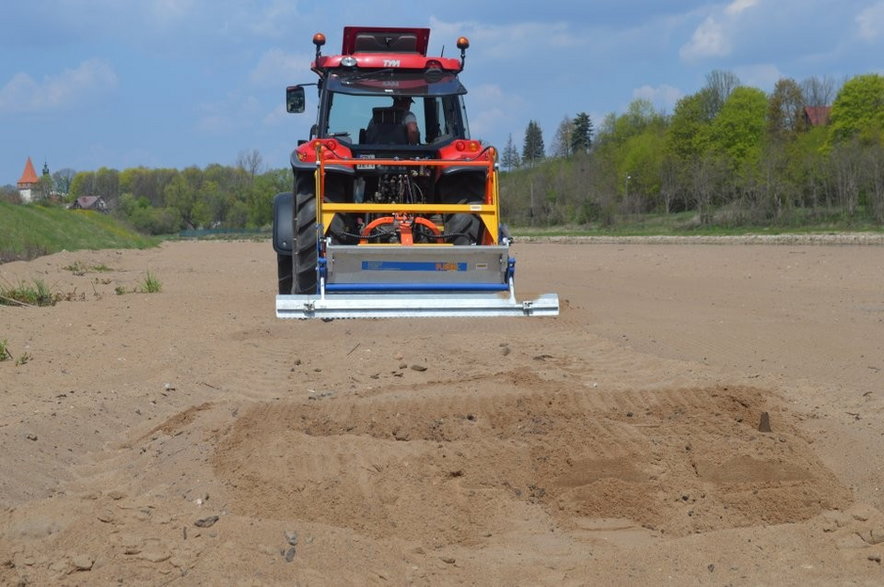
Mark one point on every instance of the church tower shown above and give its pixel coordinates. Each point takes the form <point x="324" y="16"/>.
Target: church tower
<point x="28" y="182"/>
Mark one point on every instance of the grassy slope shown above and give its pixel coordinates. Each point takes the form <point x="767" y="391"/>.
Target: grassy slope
<point x="684" y="224"/>
<point x="29" y="231"/>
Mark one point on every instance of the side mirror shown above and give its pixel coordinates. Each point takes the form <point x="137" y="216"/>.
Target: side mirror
<point x="294" y="99"/>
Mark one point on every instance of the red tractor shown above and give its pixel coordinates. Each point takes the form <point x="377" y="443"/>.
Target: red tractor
<point x="394" y="209"/>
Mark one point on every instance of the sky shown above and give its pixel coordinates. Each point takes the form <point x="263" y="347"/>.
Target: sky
<point x="86" y="84"/>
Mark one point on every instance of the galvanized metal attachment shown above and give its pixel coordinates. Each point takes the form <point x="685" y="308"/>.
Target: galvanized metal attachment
<point x="384" y="282"/>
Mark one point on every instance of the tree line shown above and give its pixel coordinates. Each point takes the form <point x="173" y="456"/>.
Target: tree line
<point x="166" y="201"/>
<point x="730" y="153"/>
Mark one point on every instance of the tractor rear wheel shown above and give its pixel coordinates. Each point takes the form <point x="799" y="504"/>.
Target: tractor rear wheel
<point x="304" y="252"/>
<point x="464" y="229"/>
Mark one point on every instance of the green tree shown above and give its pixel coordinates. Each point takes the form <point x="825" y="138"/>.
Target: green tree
<point x="641" y="169"/>
<point x="63" y="179"/>
<point x="562" y="140"/>
<point x="639" y="116"/>
<point x="182" y="194"/>
<point x="858" y="109"/>
<point x="785" y="112"/>
<point x="147" y="183"/>
<point x="509" y="158"/>
<point x="737" y="132"/>
<point x="107" y="185"/>
<point x="719" y="85"/>
<point x="533" y="149"/>
<point x="83" y="184"/>
<point x="581" y="134"/>
<point x="688" y="127"/>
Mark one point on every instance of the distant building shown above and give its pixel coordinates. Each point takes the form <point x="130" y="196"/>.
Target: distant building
<point x="817" y="115"/>
<point x="28" y="182"/>
<point x="96" y="203"/>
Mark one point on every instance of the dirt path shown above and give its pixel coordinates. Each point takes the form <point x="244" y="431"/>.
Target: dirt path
<point x="190" y="437"/>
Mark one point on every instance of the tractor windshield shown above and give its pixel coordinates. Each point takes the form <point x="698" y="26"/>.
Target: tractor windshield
<point x="356" y="102"/>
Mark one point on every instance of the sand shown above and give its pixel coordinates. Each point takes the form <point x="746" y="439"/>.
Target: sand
<point x="703" y="413"/>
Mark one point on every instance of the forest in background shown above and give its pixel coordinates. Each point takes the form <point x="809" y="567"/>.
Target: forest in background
<point x="728" y="155"/>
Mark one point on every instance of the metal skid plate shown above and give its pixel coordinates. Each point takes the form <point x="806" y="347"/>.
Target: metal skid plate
<point x="412" y="305"/>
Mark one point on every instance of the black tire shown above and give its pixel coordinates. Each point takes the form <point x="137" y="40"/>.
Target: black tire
<point x="284" y="273"/>
<point x="464" y="229"/>
<point x="304" y="253"/>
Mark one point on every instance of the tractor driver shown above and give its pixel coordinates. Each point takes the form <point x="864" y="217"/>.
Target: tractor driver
<point x="409" y="120"/>
<point x="402" y="130"/>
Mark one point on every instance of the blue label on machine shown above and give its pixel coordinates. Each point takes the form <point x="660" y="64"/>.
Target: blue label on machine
<point x="412" y="266"/>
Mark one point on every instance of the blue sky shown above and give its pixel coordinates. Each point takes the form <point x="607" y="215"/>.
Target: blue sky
<point x="173" y="83"/>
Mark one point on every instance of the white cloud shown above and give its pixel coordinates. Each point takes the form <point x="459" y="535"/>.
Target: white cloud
<point x="276" y="68"/>
<point x="277" y="117"/>
<point x="507" y="41"/>
<point x="708" y="40"/>
<point x="738" y="6"/>
<point x="274" y="19"/>
<point x="713" y="37"/>
<point x="871" y="21"/>
<point x="65" y="90"/>
<point x="662" y="97"/>
<point x="491" y="108"/>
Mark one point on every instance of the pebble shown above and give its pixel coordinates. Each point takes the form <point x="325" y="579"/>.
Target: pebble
<point x="291" y="537"/>
<point x="448" y="560"/>
<point x="206" y="522"/>
<point x="418" y="367"/>
<point x="764" y="424"/>
<point x="289" y="554"/>
<point x="155" y="555"/>
<point x="82" y="562"/>
<point x="106" y="516"/>
<point x="876" y="535"/>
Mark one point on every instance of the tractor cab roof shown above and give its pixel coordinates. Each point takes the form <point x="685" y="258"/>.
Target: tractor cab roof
<point x="384" y="47"/>
<point x="385" y="40"/>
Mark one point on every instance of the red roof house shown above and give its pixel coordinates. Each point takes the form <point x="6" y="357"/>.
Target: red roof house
<point x="817" y="115"/>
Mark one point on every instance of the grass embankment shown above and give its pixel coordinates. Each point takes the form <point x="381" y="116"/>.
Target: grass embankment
<point x="28" y="231"/>
<point x="685" y="224"/>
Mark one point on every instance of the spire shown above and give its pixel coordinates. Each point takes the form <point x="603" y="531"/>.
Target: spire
<point x="28" y="176"/>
